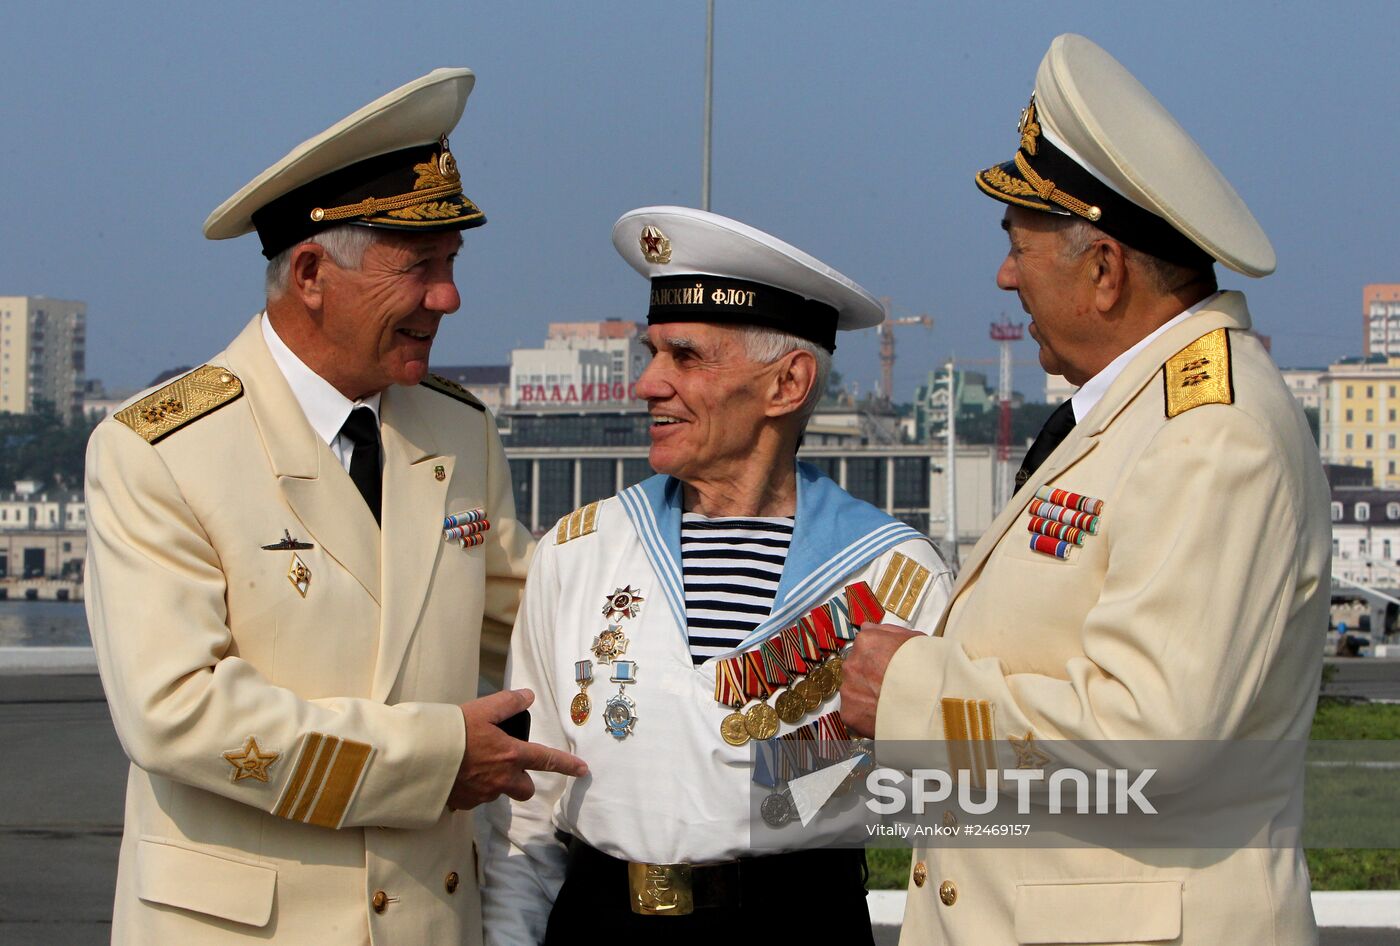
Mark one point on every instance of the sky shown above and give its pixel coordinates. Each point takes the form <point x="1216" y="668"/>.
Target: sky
<point x="851" y="130"/>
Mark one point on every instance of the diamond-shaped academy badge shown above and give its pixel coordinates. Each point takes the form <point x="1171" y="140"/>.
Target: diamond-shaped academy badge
<point x="299" y="575"/>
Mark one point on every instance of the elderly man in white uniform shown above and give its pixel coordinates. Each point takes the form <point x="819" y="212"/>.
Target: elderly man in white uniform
<point x="687" y="601"/>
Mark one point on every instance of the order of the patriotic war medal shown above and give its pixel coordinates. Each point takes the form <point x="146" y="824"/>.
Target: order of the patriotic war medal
<point x="625" y="602"/>
<point x="734" y="730"/>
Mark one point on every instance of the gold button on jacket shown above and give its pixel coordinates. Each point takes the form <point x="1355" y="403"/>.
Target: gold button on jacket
<point x="920" y="874"/>
<point x="379" y="901"/>
<point x="948" y="893"/>
<point x="451" y="882"/>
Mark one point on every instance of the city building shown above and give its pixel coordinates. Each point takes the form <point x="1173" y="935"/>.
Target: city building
<point x="42" y="355"/>
<point x="43" y="535"/>
<point x="1359" y="417"/>
<point x="581" y="364"/>
<point x="1366" y="536"/>
<point x="1057" y="389"/>
<point x="1305" y="384"/>
<point x="974" y="396"/>
<point x="1380" y="313"/>
<point x="490" y="383"/>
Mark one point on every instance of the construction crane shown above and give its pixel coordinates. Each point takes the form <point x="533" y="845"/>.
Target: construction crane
<point x="886" y="331"/>
<point x="1004" y="333"/>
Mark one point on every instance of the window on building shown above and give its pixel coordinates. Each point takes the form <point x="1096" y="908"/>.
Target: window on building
<point x="1385" y="549"/>
<point x="1348" y="415"/>
<point x="1336" y="548"/>
<point x="1370" y="392"/>
<point x="1336" y="512"/>
<point x="1369" y="441"/>
<point x="1370" y="415"/>
<point x="1392" y="510"/>
<point x="1392" y="390"/>
<point x="1349" y="438"/>
<point x="1363" y="513"/>
<point x="1350" y="392"/>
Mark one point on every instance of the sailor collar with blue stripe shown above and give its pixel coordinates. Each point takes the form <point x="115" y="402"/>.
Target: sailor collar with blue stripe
<point x="834" y="534"/>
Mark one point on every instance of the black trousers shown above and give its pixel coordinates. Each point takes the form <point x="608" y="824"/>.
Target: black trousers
<point x="801" y="897"/>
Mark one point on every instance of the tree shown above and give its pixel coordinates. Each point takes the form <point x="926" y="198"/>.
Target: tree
<point x="41" y="447"/>
<point x="982" y="426"/>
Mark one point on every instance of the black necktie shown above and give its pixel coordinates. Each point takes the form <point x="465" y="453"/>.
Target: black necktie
<point x="1057" y="428"/>
<point x="361" y="429"/>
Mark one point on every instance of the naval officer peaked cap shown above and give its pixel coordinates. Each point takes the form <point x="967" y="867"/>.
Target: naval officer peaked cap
<point x="708" y="268"/>
<point x="1095" y="144"/>
<point x="386" y="166"/>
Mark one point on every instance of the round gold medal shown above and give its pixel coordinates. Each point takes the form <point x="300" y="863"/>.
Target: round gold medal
<point x="811" y="694"/>
<point x="761" y="721"/>
<point x="580" y="708"/>
<point x="791" y="707"/>
<point x="823" y="682"/>
<point x="732" y="729"/>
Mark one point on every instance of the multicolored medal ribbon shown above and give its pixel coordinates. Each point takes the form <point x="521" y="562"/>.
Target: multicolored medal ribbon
<point x="466" y="528"/>
<point x="581" y="705"/>
<point x="1060" y="520"/>
<point x="620" y="713"/>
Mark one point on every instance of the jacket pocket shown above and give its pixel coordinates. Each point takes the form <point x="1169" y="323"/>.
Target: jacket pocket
<point x="1129" y="912"/>
<point x="213" y="884"/>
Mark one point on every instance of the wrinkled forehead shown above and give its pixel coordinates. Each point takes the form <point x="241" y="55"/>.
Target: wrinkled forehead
<point x="716" y="341"/>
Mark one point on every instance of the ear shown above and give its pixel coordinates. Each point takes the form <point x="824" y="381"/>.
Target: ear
<point x="306" y="277"/>
<point x="794" y="375"/>
<point x="1107" y="269"/>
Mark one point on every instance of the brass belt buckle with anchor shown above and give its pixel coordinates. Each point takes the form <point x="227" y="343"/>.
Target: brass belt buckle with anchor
<point x="661" y="889"/>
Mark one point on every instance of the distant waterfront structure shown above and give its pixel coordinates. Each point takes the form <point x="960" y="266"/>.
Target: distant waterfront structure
<point x="581" y="363"/>
<point x="931" y="401"/>
<point x="43" y="539"/>
<point x="490" y="383"/>
<point x="43" y="349"/>
<point x="1359" y="416"/>
<point x="1057" y="389"/>
<point x="1380" y="312"/>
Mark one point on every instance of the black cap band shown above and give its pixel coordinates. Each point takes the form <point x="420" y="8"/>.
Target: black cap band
<point x="414" y="189"/>
<point x="726" y="301"/>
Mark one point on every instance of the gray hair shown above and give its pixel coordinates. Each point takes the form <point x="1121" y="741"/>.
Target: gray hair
<point x="765" y="346"/>
<point x="1078" y="235"/>
<point x="345" y="245"/>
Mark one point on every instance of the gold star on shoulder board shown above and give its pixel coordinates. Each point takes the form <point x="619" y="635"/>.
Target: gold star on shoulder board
<point x="250" y="761"/>
<point x="1028" y="754"/>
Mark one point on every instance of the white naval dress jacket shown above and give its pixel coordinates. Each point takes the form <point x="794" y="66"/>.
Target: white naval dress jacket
<point x="673" y="791"/>
<point x="1197" y="612"/>
<point x="293" y="747"/>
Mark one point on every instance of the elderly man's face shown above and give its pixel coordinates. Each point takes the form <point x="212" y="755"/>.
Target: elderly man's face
<point x="1053" y="291"/>
<point x="706" y="399"/>
<point x="380" y="320"/>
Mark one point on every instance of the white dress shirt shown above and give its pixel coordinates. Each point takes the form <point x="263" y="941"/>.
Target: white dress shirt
<point x="325" y="408"/>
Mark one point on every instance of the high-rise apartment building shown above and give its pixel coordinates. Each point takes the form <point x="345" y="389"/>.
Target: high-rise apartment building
<point x="43" y="352"/>
<point x="1380" y="309"/>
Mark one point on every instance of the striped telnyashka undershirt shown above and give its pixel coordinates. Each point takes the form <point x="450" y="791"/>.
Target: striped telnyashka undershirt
<point x="731" y="567"/>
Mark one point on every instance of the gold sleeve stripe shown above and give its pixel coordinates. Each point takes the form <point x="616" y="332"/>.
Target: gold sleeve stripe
<point x="298" y="780"/>
<point x="1199" y="374"/>
<point x="580" y="522"/>
<point x="346" y="772"/>
<point x="902" y="585"/>
<point x="968" y="729"/>
<point x="328" y="772"/>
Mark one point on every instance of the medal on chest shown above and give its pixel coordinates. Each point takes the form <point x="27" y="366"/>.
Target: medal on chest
<point x="581" y="705"/>
<point x="620" y="711"/>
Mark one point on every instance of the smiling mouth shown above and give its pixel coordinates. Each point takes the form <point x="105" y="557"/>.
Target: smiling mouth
<point x="416" y="335"/>
<point x="664" y="420"/>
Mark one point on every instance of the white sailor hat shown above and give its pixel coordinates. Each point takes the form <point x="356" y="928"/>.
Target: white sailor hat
<point x="386" y="166"/>
<point x="1096" y="144"/>
<point x="708" y="268"/>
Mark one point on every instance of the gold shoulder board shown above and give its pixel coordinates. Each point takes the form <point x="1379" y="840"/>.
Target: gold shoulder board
<point x="1199" y="374"/>
<point x="582" y="521"/>
<point x="182" y="401"/>
<point x="902" y="585"/>
<point x="453" y="390"/>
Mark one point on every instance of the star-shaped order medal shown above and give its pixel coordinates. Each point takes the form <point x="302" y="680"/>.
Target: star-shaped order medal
<point x="625" y="602"/>
<point x="250" y="761"/>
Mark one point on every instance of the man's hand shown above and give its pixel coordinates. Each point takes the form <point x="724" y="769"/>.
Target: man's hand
<point x="494" y="763"/>
<point x="863" y="673"/>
